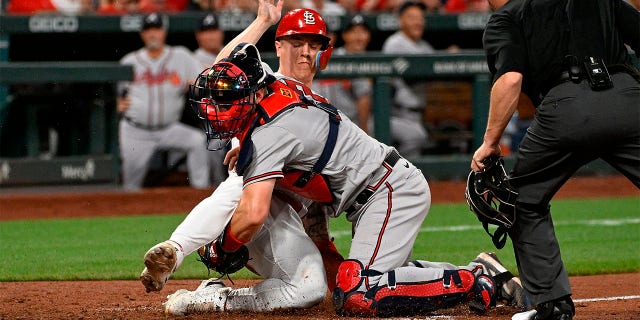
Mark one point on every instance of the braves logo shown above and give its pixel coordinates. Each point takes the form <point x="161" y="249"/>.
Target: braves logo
<point x="309" y="18"/>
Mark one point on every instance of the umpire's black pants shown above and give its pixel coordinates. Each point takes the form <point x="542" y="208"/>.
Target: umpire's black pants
<point x="572" y="127"/>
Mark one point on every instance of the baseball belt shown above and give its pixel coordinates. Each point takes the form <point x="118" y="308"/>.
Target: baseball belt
<point x="143" y="126"/>
<point x="362" y="198"/>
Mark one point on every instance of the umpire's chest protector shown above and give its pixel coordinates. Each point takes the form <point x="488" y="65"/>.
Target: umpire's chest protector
<point x="284" y="95"/>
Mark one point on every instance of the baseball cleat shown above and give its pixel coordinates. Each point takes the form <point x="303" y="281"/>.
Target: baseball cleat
<point x="509" y="286"/>
<point x="210" y="296"/>
<point x="160" y="261"/>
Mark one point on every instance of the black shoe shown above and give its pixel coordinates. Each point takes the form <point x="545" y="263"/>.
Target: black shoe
<point x="561" y="309"/>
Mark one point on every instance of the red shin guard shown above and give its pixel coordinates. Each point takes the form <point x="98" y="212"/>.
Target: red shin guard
<point x="403" y="299"/>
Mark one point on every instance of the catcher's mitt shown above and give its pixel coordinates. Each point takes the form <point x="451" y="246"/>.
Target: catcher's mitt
<point x="218" y="260"/>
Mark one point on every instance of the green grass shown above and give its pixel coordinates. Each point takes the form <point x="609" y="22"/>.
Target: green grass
<point x="596" y="236"/>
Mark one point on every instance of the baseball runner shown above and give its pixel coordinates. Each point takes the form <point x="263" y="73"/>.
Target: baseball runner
<point x="151" y="107"/>
<point x="292" y="283"/>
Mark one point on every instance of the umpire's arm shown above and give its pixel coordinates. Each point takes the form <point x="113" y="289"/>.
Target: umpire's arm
<point x="503" y="103"/>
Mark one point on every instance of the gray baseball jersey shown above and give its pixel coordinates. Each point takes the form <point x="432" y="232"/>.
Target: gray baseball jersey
<point x="295" y="139"/>
<point x="152" y="120"/>
<point x="204" y="58"/>
<point x="409" y="100"/>
<point x="158" y="89"/>
<point x="407" y="96"/>
<point x="387" y="223"/>
<point x="385" y="227"/>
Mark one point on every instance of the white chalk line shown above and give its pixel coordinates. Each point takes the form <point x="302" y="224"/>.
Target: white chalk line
<point x="575" y="301"/>
<point x="591" y="222"/>
<point x="606" y="299"/>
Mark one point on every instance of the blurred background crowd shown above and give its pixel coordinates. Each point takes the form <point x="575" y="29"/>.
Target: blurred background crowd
<point x="428" y="116"/>
<point x="175" y="6"/>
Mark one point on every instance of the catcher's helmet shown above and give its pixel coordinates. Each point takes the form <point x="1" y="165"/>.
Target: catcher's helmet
<point x="492" y="198"/>
<point x="308" y="22"/>
<point x="223" y="96"/>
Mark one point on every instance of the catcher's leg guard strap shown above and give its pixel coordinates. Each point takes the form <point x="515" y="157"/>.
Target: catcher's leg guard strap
<point x="399" y="298"/>
<point x="421" y="297"/>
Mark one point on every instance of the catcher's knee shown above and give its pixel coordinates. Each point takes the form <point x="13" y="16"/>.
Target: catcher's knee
<point x="407" y="298"/>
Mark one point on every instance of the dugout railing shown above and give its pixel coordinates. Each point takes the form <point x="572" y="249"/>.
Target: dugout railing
<point x="101" y="164"/>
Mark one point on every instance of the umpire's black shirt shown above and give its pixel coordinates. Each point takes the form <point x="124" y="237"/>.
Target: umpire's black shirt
<point x="532" y="37"/>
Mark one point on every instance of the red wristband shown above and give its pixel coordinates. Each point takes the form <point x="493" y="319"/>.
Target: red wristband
<point x="229" y="242"/>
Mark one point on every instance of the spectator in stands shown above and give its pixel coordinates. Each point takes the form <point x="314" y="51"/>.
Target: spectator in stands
<point x="210" y="40"/>
<point x="431" y="6"/>
<point x="204" y="5"/>
<point x="409" y="101"/>
<point x="325" y="7"/>
<point x="152" y="104"/>
<point x="39" y="6"/>
<point x="352" y="97"/>
<point x="291" y="4"/>
<point x="461" y="6"/>
<point x="116" y="7"/>
<point x="169" y="6"/>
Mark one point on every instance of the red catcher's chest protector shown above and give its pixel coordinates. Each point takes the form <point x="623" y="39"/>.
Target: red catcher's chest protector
<point x="283" y="95"/>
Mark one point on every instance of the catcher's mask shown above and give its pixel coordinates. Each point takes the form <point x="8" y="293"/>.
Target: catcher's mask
<point x="491" y="197"/>
<point x="224" y="95"/>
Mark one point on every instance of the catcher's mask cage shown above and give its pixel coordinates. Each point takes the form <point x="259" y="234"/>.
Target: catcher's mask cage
<point x="224" y="100"/>
<point x="492" y="198"/>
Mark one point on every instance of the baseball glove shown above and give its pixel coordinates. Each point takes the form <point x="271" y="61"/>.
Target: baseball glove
<point x="218" y="260"/>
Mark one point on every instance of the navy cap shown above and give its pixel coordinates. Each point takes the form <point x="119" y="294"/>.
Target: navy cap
<point x="356" y="20"/>
<point x="209" y="21"/>
<point x="152" y="20"/>
<point x="411" y="3"/>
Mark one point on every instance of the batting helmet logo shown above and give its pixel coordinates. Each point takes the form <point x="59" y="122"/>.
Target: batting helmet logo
<point x="303" y="21"/>
<point x="309" y="18"/>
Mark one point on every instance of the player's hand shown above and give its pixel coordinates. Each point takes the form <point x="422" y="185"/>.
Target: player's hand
<point x="123" y="104"/>
<point x="484" y="152"/>
<point x="270" y="10"/>
<point x="231" y="158"/>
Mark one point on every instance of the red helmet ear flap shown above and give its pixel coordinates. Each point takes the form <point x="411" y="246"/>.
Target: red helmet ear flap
<point x="323" y="56"/>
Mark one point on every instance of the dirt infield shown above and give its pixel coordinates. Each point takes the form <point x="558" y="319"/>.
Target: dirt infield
<point x="597" y="297"/>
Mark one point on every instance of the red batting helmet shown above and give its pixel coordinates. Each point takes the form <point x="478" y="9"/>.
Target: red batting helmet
<point x="303" y="21"/>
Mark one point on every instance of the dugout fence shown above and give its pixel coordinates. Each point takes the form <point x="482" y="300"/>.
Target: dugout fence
<point x="99" y="161"/>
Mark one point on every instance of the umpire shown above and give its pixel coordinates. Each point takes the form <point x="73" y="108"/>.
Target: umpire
<point x="569" y="57"/>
